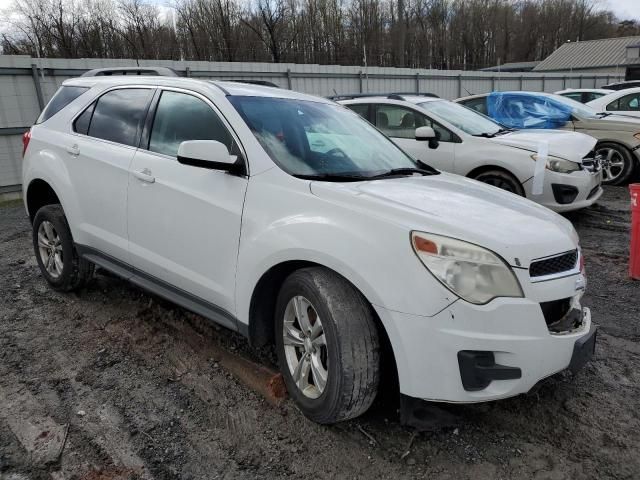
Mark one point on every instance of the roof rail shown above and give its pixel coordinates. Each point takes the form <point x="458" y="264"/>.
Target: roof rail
<point x="263" y="83"/>
<point x="390" y="96"/>
<point x="159" y="71"/>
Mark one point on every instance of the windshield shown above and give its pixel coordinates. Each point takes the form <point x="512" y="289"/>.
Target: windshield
<point x="464" y="118"/>
<point x="577" y="108"/>
<point x="307" y="138"/>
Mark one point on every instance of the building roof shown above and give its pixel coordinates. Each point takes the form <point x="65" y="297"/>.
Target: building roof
<point x="608" y="52"/>
<point x="511" y="67"/>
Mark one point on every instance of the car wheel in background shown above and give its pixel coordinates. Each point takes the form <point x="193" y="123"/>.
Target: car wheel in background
<point x="501" y="179"/>
<point x="55" y="252"/>
<point x="617" y="163"/>
<point x="327" y="345"/>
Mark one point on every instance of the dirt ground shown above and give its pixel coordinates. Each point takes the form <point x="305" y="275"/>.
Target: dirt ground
<point x="112" y="383"/>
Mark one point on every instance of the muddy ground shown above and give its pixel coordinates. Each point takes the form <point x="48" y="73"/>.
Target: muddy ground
<point x="112" y="383"/>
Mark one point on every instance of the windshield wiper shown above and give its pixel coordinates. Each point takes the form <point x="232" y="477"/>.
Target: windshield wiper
<point x="394" y="172"/>
<point x="484" y="134"/>
<point x="333" y="177"/>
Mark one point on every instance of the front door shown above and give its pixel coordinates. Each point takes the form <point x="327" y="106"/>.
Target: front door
<point x="184" y="221"/>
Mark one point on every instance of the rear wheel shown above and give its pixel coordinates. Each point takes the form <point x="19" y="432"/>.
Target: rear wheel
<point x="55" y="252"/>
<point x="327" y="345"/>
<point x="501" y="179"/>
<point x="617" y="163"/>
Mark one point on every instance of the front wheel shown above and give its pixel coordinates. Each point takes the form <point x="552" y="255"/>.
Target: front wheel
<point x="55" y="252"/>
<point x="617" y="163"/>
<point x="502" y="180"/>
<point x="327" y="345"/>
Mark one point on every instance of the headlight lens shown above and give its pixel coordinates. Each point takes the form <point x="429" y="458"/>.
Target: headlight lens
<point x="471" y="272"/>
<point x="559" y="164"/>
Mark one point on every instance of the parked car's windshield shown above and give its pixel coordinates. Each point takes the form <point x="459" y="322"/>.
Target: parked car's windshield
<point x="307" y="138"/>
<point x="464" y="118"/>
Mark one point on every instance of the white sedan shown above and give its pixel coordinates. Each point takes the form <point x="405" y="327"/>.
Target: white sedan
<point x="473" y="145"/>
<point x="622" y="102"/>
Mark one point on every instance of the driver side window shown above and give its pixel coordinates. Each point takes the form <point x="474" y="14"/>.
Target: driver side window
<point x="398" y="122"/>
<point x="180" y="117"/>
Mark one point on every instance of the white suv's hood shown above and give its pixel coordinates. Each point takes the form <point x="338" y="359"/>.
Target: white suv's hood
<point x="572" y="146"/>
<point x="515" y="228"/>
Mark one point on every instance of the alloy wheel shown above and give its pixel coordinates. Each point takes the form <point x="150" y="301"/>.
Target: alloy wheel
<point x="612" y="163"/>
<point x="305" y="347"/>
<point x="50" y="249"/>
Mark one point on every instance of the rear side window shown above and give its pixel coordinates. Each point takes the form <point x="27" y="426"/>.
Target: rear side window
<point x="626" y="103"/>
<point x="181" y="117"/>
<point x="63" y="97"/>
<point x="117" y="116"/>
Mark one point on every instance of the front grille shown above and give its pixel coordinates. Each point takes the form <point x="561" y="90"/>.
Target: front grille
<point x="552" y="265"/>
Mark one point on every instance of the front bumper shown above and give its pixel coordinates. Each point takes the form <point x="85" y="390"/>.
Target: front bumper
<point x="585" y="184"/>
<point x="513" y="330"/>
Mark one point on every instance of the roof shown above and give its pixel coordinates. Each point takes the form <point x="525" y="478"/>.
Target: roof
<point x="581" y="90"/>
<point x="607" y="52"/>
<point x="414" y="99"/>
<point x="228" y="88"/>
<point x="511" y="67"/>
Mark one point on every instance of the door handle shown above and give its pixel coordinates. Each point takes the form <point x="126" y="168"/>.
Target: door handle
<point x="144" y="175"/>
<point x="73" y="150"/>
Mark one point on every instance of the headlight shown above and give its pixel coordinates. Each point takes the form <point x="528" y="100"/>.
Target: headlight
<point x="637" y="136"/>
<point x="471" y="272"/>
<point x="559" y="165"/>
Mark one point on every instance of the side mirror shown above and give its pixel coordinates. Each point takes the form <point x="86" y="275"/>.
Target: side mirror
<point x="427" y="134"/>
<point x="209" y="154"/>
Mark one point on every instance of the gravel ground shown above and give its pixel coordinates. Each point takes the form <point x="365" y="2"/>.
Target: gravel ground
<point x="112" y="383"/>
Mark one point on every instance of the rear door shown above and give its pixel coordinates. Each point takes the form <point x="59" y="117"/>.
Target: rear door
<point x="184" y="221"/>
<point x="400" y="123"/>
<point x="106" y="134"/>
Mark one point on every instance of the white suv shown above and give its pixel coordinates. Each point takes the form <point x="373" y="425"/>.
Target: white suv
<point x="471" y="144"/>
<point x="221" y="197"/>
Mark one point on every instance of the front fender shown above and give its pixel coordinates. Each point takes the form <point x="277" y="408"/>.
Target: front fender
<point x="373" y="254"/>
<point x="516" y="161"/>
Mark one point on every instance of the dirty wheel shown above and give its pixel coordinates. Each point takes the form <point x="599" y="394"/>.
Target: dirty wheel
<point x="502" y="180"/>
<point x="327" y="345"/>
<point x="617" y="164"/>
<point x="55" y="251"/>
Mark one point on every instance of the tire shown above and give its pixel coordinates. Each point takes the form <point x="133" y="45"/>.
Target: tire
<point x="350" y="356"/>
<point x="66" y="271"/>
<point x="617" y="165"/>
<point x="501" y="179"/>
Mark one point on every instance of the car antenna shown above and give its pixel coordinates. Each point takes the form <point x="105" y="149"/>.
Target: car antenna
<point x="468" y="92"/>
<point x="334" y="91"/>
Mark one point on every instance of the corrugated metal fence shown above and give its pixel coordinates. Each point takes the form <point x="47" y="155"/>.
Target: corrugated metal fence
<point x="27" y="84"/>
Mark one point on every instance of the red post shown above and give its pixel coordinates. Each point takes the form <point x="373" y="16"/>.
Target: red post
<point x="634" y="252"/>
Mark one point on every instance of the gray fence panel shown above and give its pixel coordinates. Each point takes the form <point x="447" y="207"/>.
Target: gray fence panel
<point x="20" y="105"/>
<point x="10" y="160"/>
